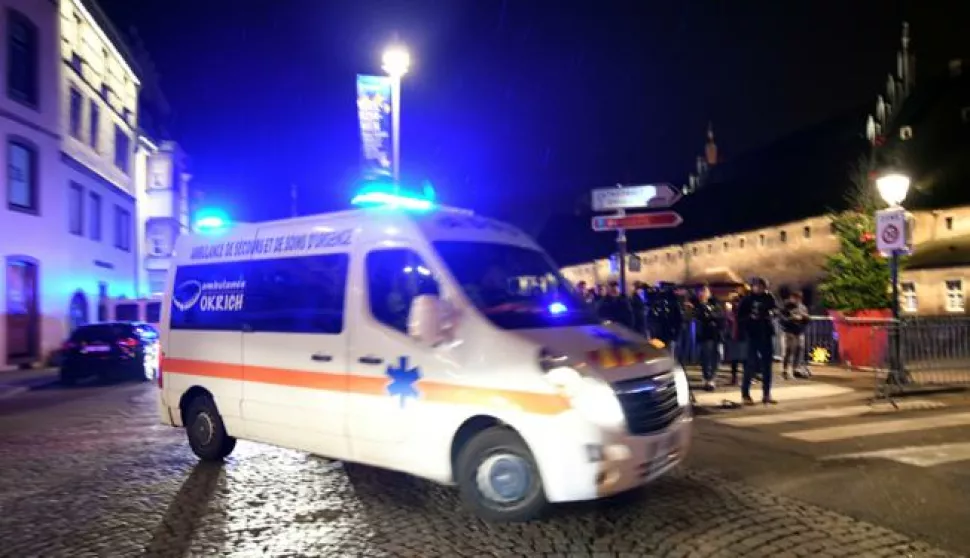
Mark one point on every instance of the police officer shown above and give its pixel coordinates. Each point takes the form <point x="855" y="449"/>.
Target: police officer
<point x="756" y="314"/>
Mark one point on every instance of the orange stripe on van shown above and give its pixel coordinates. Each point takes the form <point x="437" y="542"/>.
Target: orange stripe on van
<point x="438" y="392"/>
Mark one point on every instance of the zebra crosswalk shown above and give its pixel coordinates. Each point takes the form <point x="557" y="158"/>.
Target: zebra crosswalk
<point x="866" y="429"/>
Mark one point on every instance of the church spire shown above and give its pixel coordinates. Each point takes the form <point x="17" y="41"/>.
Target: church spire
<point x="710" y="150"/>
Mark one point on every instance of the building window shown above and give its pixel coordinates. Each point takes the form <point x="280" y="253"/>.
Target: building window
<point x="710" y="248"/>
<point x="741" y="242"/>
<point x="783" y="236"/>
<point x="955" y="301"/>
<point x="726" y="245"/>
<point x="94" y="216"/>
<point x="762" y="240"/>
<point x="693" y="251"/>
<point x="832" y="228"/>
<point x="807" y="232"/>
<point x="122" y="148"/>
<point x="95" y="125"/>
<point x="949" y="223"/>
<point x="909" y="301"/>
<point x="22" y="192"/>
<point x="75" y="209"/>
<point x="122" y="229"/>
<point x="22" y="59"/>
<point x="77" y="107"/>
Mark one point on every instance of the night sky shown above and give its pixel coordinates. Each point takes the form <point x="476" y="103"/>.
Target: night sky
<point x="513" y="108"/>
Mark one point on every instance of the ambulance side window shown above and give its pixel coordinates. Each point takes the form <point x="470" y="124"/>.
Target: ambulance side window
<point x="298" y="295"/>
<point x="394" y="278"/>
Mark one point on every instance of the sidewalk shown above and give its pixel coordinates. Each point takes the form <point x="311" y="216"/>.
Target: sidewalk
<point x="15" y="382"/>
<point x="826" y="382"/>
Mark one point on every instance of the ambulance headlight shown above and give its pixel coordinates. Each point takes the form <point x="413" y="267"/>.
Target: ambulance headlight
<point x="683" y="387"/>
<point x="593" y="398"/>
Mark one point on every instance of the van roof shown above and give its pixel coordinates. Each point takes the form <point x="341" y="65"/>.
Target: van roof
<point x="350" y="213"/>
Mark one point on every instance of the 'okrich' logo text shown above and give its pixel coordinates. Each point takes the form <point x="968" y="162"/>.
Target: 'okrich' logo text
<point x="210" y="296"/>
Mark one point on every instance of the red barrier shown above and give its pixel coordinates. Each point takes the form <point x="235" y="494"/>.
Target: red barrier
<point x="863" y="336"/>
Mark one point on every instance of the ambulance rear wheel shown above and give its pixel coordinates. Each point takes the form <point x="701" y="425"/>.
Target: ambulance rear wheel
<point x="498" y="478"/>
<point x="207" y="434"/>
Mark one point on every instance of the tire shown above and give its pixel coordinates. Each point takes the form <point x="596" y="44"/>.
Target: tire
<point x="500" y="448"/>
<point x="67" y="379"/>
<point x="207" y="435"/>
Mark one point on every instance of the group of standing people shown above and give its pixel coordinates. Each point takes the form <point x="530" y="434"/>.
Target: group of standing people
<point x="740" y="330"/>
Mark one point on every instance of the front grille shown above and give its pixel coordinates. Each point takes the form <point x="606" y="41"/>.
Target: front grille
<point x="649" y="404"/>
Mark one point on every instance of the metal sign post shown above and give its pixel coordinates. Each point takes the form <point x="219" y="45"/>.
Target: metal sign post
<point x="619" y="199"/>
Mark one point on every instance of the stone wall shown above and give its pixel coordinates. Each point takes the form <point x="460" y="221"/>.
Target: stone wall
<point x="790" y="255"/>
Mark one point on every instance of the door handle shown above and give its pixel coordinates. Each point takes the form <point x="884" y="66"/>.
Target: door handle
<point x="320" y="357"/>
<point x="370" y="360"/>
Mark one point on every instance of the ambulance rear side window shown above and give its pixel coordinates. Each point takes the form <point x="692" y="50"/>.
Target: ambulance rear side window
<point x="281" y="295"/>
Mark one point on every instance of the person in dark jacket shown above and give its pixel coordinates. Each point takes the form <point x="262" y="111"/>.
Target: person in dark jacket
<point x="794" y="321"/>
<point x="615" y="307"/>
<point x="735" y="347"/>
<point x="756" y="314"/>
<point x="666" y="318"/>
<point x="709" y="324"/>
<point x="638" y="305"/>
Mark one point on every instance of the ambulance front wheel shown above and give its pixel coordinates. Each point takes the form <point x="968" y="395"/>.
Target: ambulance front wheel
<point x="207" y="434"/>
<point x="498" y="478"/>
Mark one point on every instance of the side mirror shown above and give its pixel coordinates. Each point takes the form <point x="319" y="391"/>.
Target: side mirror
<point x="425" y="320"/>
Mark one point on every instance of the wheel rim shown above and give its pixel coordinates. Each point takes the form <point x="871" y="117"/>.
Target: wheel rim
<point x="504" y="478"/>
<point x="203" y="428"/>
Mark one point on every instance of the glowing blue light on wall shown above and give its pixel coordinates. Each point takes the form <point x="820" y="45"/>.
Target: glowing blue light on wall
<point x="389" y="195"/>
<point x="210" y="221"/>
<point x="557" y="308"/>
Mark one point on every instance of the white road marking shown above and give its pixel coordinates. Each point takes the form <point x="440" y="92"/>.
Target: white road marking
<point x="782" y="417"/>
<point x="918" y="456"/>
<point x="833" y="433"/>
<point x="781" y="393"/>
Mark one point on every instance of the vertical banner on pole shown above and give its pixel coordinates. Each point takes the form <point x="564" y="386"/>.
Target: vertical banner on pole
<point x="374" y="110"/>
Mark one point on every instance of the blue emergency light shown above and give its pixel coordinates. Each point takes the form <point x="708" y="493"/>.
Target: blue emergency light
<point x="557" y="308"/>
<point x="210" y="221"/>
<point x="389" y="195"/>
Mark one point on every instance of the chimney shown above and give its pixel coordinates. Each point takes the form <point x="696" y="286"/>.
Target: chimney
<point x="956" y="67"/>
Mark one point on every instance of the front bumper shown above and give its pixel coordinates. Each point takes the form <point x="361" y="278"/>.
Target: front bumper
<point x="617" y="463"/>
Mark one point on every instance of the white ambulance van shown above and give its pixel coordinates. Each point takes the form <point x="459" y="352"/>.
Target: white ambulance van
<point x="441" y="344"/>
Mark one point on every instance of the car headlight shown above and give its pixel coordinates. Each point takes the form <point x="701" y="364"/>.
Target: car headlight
<point x="682" y="386"/>
<point x="591" y="397"/>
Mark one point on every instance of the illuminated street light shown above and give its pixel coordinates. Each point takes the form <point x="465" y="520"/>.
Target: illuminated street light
<point x="893" y="187"/>
<point x="396" y="62"/>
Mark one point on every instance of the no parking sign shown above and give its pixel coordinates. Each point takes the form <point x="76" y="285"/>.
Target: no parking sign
<point x="891" y="230"/>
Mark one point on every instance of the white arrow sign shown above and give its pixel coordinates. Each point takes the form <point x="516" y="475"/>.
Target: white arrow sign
<point x="635" y="197"/>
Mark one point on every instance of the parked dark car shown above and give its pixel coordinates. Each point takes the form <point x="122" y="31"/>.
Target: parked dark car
<point x="111" y="350"/>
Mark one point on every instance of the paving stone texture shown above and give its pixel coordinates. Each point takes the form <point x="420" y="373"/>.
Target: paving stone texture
<point x="100" y="477"/>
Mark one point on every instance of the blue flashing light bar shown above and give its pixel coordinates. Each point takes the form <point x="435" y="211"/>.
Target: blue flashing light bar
<point x="211" y="220"/>
<point x="557" y="308"/>
<point x="391" y="196"/>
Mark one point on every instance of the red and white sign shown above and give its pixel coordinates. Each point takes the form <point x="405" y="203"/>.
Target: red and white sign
<point x="658" y="220"/>
<point x="891" y="230"/>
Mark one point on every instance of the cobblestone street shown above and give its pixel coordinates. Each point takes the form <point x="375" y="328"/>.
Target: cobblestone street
<point x="97" y="476"/>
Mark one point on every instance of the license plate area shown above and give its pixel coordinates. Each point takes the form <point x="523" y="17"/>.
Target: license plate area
<point x="95" y="349"/>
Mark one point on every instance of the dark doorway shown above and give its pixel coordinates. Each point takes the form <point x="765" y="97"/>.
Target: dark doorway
<point x="23" y="314"/>
<point x="78" y="312"/>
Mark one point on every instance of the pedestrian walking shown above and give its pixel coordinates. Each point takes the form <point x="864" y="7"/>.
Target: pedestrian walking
<point x="615" y="306"/>
<point x="735" y="346"/>
<point x="756" y="316"/>
<point x="709" y="325"/>
<point x="794" y="321"/>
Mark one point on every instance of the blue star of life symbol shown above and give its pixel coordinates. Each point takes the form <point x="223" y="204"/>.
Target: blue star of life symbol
<point x="403" y="379"/>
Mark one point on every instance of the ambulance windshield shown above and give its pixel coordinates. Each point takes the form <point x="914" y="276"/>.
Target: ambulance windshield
<point x="515" y="287"/>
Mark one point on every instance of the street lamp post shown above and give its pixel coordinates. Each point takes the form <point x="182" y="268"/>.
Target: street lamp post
<point x="396" y="62"/>
<point x="893" y="187"/>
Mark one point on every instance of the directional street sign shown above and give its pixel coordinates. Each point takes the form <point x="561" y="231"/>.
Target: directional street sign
<point x="658" y="220"/>
<point x="657" y="196"/>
